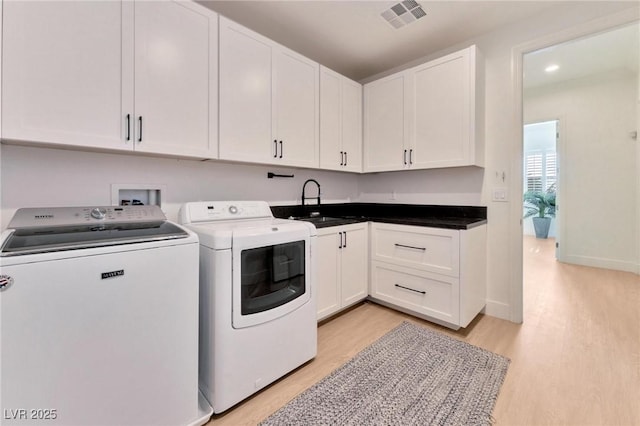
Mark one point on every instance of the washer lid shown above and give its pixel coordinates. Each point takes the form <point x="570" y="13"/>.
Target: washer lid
<point x="41" y="230"/>
<point x="43" y="240"/>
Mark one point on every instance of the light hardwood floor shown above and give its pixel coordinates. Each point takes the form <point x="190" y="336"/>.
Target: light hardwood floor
<point x="574" y="361"/>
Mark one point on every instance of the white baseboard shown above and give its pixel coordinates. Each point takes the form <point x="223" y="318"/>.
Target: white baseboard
<point x="498" y="309"/>
<point x="598" y="262"/>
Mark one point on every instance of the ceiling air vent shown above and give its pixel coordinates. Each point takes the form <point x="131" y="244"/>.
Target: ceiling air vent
<point x="403" y="13"/>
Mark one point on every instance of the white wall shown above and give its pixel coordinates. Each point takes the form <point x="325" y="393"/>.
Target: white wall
<point x="598" y="167"/>
<point x="51" y="177"/>
<point x="452" y="186"/>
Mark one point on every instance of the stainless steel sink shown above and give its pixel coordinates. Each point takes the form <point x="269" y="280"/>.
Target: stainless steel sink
<point x="326" y="221"/>
<point x="321" y="219"/>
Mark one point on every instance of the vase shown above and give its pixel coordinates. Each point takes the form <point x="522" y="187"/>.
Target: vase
<point x="541" y="226"/>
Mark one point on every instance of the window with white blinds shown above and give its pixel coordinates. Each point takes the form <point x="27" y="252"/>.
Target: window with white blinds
<point x="533" y="170"/>
<point x="550" y="170"/>
<point x="540" y="170"/>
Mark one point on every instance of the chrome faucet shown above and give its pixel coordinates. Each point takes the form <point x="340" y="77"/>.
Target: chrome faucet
<point x="305" y="186"/>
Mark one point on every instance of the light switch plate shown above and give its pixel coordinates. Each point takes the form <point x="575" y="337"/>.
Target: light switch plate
<point x="500" y="194"/>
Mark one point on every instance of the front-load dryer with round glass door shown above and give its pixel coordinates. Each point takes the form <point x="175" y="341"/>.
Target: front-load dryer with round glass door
<point x="257" y="297"/>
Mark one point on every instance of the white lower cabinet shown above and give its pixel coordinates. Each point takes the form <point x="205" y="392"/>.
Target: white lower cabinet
<point x="421" y="292"/>
<point x="434" y="273"/>
<point x="342" y="267"/>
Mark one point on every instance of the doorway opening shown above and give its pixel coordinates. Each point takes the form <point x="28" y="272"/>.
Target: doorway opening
<point x="598" y="158"/>
<point x="540" y="180"/>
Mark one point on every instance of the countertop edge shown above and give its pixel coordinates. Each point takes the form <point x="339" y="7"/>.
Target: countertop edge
<point x="454" y="217"/>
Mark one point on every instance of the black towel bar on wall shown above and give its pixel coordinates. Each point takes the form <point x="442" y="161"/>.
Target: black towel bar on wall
<point x="272" y="175"/>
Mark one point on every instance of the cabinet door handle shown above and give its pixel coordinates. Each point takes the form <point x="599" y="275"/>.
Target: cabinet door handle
<point x="281" y="149"/>
<point x="128" y="127"/>
<point x="345" y="158"/>
<point x="410" y="289"/>
<point x="340" y="246"/>
<point x="411" y="247"/>
<point x="404" y="157"/>
<point x="342" y="158"/>
<point x="140" y="125"/>
<point x="275" y="143"/>
<point x="411" y="156"/>
<point x="345" y="240"/>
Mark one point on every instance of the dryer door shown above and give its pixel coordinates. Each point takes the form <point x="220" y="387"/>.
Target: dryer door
<point x="271" y="273"/>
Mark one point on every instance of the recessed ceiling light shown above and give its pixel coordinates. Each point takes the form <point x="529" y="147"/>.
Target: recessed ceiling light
<point x="552" y="68"/>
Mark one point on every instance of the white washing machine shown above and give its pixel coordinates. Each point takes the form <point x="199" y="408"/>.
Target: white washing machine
<point x="257" y="297"/>
<point x="99" y="319"/>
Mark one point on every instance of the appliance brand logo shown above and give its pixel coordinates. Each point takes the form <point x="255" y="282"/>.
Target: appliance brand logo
<point x="112" y="274"/>
<point x="44" y="216"/>
<point x="5" y="282"/>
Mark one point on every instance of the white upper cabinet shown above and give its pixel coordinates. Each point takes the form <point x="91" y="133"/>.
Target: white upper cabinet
<point x="385" y="123"/>
<point x="352" y="125"/>
<point x="62" y="73"/>
<point x="340" y="122"/>
<point x="331" y="152"/>
<point x="245" y="94"/>
<point x="434" y="112"/>
<point x="269" y="103"/>
<point x="176" y="78"/>
<point x="445" y="115"/>
<point x="296" y="108"/>
<point x="1" y="67"/>
<point x="89" y="74"/>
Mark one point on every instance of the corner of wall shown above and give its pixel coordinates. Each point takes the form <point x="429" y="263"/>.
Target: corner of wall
<point x="498" y="310"/>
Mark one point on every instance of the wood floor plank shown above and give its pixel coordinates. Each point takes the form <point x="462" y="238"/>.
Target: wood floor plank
<point x="574" y="361"/>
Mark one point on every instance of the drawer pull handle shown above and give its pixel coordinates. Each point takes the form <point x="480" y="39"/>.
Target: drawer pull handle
<point x="128" y="127"/>
<point x="410" y="289"/>
<point x="411" y="247"/>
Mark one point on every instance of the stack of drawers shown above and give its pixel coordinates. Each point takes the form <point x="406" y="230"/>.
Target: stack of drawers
<point x="435" y="273"/>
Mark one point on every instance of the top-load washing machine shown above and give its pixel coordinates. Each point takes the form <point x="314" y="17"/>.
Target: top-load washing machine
<point x="99" y="319"/>
<point x="257" y="297"/>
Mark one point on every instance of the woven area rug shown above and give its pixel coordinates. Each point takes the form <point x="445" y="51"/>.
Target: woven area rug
<point x="410" y="376"/>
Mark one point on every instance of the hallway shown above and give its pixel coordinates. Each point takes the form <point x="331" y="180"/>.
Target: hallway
<point x="582" y="325"/>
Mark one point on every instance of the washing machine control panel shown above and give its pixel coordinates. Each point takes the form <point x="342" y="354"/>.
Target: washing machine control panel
<point x="207" y="211"/>
<point x="98" y="212"/>
<point x="66" y="216"/>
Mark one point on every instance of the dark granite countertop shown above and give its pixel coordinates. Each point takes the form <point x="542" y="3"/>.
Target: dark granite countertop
<point x="451" y="217"/>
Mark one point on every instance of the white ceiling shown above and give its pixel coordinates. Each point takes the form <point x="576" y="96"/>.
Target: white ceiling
<point x="613" y="51"/>
<point x="353" y="39"/>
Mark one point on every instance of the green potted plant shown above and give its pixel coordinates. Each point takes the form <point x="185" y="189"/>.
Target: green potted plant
<point x="542" y="206"/>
